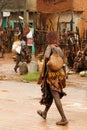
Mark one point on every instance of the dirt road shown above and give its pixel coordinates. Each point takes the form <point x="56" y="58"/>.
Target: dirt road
<point x="19" y="102"/>
<point x="7" y="68"/>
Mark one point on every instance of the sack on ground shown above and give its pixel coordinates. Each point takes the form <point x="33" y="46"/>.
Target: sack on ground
<point x="23" y="68"/>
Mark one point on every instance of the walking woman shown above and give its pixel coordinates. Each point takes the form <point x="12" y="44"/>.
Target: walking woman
<point x="52" y="80"/>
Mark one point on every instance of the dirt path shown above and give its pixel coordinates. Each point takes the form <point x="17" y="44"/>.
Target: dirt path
<point x="7" y="72"/>
<point x="7" y="68"/>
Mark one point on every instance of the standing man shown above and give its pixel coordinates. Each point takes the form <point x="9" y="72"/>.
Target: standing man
<point x="52" y="82"/>
<point x="30" y="41"/>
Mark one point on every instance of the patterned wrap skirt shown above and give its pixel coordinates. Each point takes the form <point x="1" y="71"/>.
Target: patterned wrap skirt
<point x="55" y="81"/>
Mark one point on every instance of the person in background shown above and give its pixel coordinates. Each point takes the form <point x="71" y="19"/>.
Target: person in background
<point x="28" y="33"/>
<point x="78" y="62"/>
<point x="85" y="58"/>
<point x="30" y="40"/>
<point x="52" y="83"/>
<point x="2" y="47"/>
<point x="18" y="55"/>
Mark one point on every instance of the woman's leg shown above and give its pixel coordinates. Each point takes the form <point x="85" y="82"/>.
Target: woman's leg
<point x="58" y="103"/>
<point x="43" y="114"/>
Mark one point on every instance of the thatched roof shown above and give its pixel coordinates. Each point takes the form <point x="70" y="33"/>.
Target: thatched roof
<point x="32" y="5"/>
<point x="12" y="5"/>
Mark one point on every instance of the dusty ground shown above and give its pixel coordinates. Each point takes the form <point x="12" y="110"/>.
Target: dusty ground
<point x="7" y="71"/>
<point x="19" y="102"/>
<point x="7" y="68"/>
